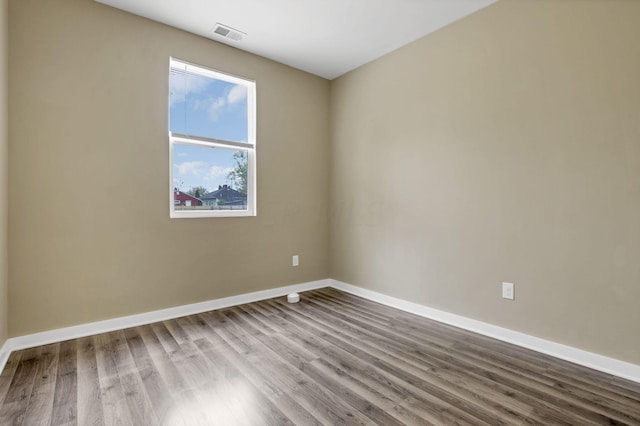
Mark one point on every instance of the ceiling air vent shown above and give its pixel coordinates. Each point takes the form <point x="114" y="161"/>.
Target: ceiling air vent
<point x="227" y="32"/>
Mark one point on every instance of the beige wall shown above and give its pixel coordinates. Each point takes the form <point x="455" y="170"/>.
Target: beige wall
<point x="505" y="147"/>
<point x="90" y="234"/>
<point x="4" y="53"/>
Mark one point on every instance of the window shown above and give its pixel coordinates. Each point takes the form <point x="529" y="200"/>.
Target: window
<point x="212" y="139"/>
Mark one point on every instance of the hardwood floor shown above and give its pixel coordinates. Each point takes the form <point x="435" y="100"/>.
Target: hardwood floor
<point x="331" y="359"/>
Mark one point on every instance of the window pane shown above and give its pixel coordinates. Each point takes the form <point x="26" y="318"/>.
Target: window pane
<point x="206" y="106"/>
<point x="208" y="178"/>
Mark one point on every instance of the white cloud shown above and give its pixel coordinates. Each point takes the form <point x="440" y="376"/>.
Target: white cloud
<point x="193" y="168"/>
<point x="215" y="106"/>
<point x="237" y="94"/>
<point x="202" y="170"/>
<point x="212" y="105"/>
<point x="181" y="85"/>
<point x="217" y="171"/>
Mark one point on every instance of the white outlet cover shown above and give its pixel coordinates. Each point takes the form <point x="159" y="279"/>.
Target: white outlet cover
<point x="296" y="260"/>
<point x="508" y="291"/>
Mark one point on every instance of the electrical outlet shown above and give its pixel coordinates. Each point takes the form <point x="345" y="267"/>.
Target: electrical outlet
<point x="296" y="260"/>
<point x="508" y="291"/>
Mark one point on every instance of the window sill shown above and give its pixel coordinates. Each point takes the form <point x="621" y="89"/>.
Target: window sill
<point x="210" y="213"/>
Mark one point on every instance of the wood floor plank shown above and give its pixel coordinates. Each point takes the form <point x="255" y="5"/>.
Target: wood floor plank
<point x="241" y="384"/>
<point x="441" y="409"/>
<point x="114" y="402"/>
<point x="181" y="406"/>
<point x="217" y="383"/>
<point x="290" y="372"/>
<point x="597" y="393"/>
<point x="21" y="387"/>
<point x="42" y="396"/>
<point x="165" y="337"/>
<point x="141" y="408"/>
<point x="259" y="357"/>
<point x="588" y="413"/>
<point x="592" y="397"/>
<point x="152" y="380"/>
<point x="6" y="377"/>
<point x="89" y="390"/>
<point x="333" y="358"/>
<point x="65" y="409"/>
<point x="442" y="368"/>
<point x="384" y="374"/>
<point x="589" y="397"/>
<point x="282" y="407"/>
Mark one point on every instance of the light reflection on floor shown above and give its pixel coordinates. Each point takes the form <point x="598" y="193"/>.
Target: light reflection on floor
<point x="228" y="402"/>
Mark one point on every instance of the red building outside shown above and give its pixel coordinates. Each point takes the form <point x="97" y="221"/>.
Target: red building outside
<point x="183" y="199"/>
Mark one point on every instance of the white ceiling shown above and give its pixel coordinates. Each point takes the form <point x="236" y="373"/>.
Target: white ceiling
<point x="324" y="37"/>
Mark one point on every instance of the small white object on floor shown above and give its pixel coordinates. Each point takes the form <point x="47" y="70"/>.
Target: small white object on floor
<point x="293" y="298"/>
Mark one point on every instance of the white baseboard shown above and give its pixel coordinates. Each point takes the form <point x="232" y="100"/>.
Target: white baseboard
<point x="577" y="356"/>
<point x="77" y="331"/>
<point x="4" y="355"/>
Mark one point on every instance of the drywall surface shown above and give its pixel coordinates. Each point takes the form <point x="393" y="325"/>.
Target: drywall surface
<point x="4" y="176"/>
<point x="90" y="234"/>
<point x="505" y="147"/>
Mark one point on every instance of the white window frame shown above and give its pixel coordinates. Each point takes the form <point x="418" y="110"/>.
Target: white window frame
<point x="249" y="147"/>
